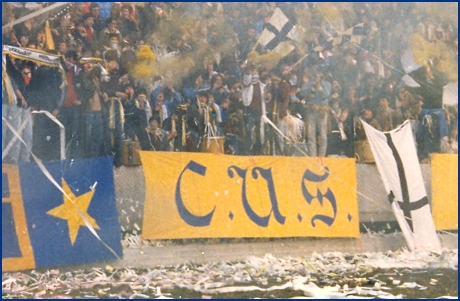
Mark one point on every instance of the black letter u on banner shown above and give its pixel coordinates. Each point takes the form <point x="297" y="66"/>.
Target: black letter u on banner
<point x="261" y="221"/>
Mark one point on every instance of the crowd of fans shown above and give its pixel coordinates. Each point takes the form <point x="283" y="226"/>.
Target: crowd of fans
<point x="307" y="102"/>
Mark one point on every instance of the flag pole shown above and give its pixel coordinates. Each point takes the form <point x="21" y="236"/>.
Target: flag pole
<point x="300" y="60"/>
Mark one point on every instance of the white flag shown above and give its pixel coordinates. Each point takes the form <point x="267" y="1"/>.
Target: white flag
<point x="397" y="162"/>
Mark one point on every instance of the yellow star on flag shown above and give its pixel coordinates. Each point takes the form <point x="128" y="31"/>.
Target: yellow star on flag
<point x="68" y="211"/>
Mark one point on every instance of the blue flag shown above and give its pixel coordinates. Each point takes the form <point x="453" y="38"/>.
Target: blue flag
<point x="47" y="226"/>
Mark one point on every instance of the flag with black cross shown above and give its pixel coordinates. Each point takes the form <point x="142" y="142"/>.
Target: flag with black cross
<point x="353" y="34"/>
<point x="397" y="162"/>
<point x="279" y="33"/>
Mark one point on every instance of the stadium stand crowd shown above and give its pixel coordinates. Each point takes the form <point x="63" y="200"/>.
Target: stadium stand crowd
<point x="184" y="76"/>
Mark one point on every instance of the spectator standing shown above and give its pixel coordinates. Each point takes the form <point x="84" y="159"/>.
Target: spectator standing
<point x="433" y="121"/>
<point x="150" y="16"/>
<point x="386" y="116"/>
<point x="284" y="91"/>
<point x="25" y="91"/>
<point x="89" y="92"/>
<point x="131" y="113"/>
<point x="128" y="27"/>
<point x="99" y="22"/>
<point x="81" y="36"/>
<point x="253" y="100"/>
<point x="271" y="143"/>
<point x="71" y="113"/>
<point x="13" y="110"/>
<point x="336" y="137"/>
<point x="88" y="22"/>
<point x="368" y="91"/>
<point x="317" y="116"/>
<point x="247" y="44"/>
<point x="112" y="91"/>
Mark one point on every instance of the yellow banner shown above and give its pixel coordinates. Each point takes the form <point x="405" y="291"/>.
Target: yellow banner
<point x="197" y="195"/>
<point x="444" y="186"/>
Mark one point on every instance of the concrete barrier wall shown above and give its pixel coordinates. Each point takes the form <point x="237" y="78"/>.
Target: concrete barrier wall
<point x="372" y="200"/>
